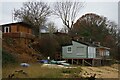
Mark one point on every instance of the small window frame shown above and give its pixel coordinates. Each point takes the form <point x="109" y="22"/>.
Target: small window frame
<point x="6" y="29"/>
<point x="69" y="49"/>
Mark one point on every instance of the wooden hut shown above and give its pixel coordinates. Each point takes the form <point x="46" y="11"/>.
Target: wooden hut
<point x="19" y="31"/>
<point x="84" y="53"/>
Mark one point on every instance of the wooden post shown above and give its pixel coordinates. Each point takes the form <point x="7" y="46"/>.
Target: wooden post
<point x="67" y="60"/>
<point x="82" y="62"/>
<point x="77" y="61"/>
<point x="100" y="62"/>
<point x="60" y="57"/>
<point x="92" y="62"/>
<point x="72" y="61"/>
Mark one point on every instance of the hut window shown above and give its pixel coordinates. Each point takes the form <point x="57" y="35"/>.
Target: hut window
<point x="69" y="49"/>
<point x="6" y="29"/>
<point x="107" y="53"/>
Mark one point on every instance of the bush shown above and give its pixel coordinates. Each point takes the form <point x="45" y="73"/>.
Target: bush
<point x="7" y="58"/>
<point x="9" y="41"/>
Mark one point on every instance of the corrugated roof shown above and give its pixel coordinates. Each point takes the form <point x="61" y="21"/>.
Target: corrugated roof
<point x="85" y="43"/>
<point x="67" y="44"/>
<point x="23" y="23"/>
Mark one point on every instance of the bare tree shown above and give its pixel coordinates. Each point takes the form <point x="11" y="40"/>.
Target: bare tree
<point x="52" y="27"/>
<point x="64" y="29"/>
<point x="67" y="12"/>
<point x="34" y="13"/>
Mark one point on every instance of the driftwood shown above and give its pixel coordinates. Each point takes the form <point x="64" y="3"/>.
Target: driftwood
<point x="18" y="72"/>
<point x="91" y="77"/>
<point x="11" y="75"/>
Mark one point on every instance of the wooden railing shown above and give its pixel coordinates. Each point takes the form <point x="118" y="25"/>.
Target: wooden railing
<point x="102" y="57"/>
<point x="18" y="35"/>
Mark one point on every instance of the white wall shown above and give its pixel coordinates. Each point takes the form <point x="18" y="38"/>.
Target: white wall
<point x="0" y="34"/>
<point x="91" y="52"/>
<point x="0" y="54"/>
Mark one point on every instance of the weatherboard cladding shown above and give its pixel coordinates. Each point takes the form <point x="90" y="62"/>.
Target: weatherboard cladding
<point x="75" y="52"/>
<point x="79" y="50"/>
<point x="19" y="31"/>
<point x="17" y="27"/>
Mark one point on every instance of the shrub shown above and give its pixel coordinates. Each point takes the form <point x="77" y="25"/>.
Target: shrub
<point x="9" y="41"/>
<point x="7" y="58"/>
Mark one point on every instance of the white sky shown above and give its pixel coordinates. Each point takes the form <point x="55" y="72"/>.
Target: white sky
<point x="108" y="8"/>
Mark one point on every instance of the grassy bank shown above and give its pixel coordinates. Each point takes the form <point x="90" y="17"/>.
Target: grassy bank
<point x="36" y="71"/>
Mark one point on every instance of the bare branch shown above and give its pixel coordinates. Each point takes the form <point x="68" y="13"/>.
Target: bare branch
<point x="67" y="11"/>
<point x="34" y="13"/>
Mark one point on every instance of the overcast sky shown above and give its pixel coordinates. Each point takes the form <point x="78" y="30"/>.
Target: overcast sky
<point x="108" y="9"/>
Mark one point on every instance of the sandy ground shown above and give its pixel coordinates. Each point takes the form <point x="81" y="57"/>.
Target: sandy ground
<point x="101" y="72"/>
<point x="87" y="71"/>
